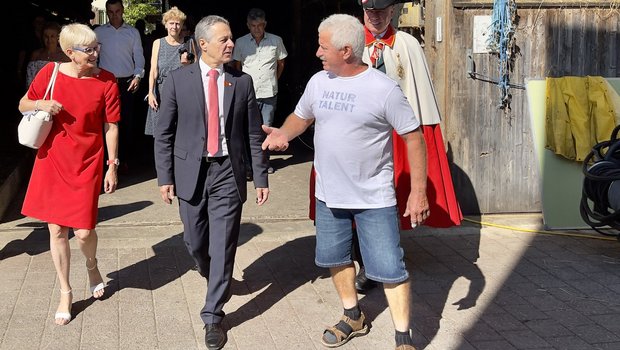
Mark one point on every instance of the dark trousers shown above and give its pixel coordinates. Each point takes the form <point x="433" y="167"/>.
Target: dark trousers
<point x="126" y="126"/>
<point x="211" y="224"/>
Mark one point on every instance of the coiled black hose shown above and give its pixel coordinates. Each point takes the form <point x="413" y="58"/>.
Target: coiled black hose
<point x="601" y="168"/>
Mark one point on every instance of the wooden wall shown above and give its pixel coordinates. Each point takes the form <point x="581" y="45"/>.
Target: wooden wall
<point x="494" y="163"/>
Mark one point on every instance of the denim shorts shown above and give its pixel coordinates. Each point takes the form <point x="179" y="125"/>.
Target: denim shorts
<point x="379" y="237"/>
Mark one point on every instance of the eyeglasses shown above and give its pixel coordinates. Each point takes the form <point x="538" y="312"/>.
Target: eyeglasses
<point x="89" y="50"/>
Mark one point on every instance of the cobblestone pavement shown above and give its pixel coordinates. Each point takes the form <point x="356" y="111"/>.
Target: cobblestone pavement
<point x="506" y="286"/>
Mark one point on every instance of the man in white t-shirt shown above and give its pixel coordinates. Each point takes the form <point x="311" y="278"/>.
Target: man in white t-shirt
<point x="355" y="109"/>
<point x="261" y="55"/>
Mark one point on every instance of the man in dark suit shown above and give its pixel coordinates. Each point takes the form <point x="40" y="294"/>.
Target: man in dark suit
<point x="202" y="162"/>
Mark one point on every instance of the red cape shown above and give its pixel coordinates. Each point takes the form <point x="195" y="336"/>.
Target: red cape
<point x="444" y="207"/>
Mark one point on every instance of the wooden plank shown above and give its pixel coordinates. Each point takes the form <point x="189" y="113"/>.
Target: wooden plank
<point x="612" y="25"/>
<point x="567" y="43"/>
<point x="579" y="28"/>
<point x="477" y="4"/>
<point x="552" y="54"/>
<point x="539" y="65"/>
<point x="593" y="43"/>
<point x="494" y="164"/>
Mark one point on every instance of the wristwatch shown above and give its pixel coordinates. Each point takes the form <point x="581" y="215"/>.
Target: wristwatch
<point x="113" y="161"/>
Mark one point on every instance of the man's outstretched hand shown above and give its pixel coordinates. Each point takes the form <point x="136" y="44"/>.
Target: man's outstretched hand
<point x="276" y="140"/>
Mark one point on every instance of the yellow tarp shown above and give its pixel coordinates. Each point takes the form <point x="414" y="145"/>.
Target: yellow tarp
<point x="579" y="113"/>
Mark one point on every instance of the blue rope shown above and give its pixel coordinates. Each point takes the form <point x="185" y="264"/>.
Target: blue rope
<point x="500" y="40"/>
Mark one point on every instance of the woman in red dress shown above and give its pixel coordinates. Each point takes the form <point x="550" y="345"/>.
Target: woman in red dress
<point x="68" y="171"/>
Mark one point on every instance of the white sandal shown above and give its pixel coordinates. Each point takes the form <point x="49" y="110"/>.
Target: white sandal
<point x="64" y="315"/>
<point x="97" y="287"/>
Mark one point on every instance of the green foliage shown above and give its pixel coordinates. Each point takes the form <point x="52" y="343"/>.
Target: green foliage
<point x="137" y="11"/>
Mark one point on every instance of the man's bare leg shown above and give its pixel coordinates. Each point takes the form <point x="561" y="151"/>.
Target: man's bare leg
<point x="344" y="281"/>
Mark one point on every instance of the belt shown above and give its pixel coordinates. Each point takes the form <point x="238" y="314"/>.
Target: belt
<point x="215" y="159"/>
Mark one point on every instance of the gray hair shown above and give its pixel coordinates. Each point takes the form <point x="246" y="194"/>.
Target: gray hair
<point x="346" y="30"/>
<point x="76" y="34"/>
<point x="203" y="28"/>
<point x="256" y="14"/>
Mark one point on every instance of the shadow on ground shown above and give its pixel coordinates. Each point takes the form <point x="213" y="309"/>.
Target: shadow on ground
<point x="437" y="261"/>
<point x="37" y="241"/>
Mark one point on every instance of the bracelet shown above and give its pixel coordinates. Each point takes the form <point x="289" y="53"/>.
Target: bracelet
<point x="36" y="105"/>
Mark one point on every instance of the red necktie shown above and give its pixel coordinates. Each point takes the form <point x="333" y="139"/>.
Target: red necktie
<point x="377" y="53"/>
<point x="213" y="119"/>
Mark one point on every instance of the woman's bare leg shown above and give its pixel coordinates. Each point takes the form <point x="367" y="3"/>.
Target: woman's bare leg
<point x="87" y="241"/>
<point x="61" y="256"/>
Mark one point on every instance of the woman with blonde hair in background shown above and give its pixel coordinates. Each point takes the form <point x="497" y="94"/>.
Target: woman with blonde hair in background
<point x="50" y="52"/>
<point x="165" y="57"/>
<point x="68" y="171"/>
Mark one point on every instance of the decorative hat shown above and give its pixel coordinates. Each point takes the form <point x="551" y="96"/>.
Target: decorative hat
<point x="376" y="4"/>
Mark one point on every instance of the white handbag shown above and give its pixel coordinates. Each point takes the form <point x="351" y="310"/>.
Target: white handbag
<point x="36" y="125"/>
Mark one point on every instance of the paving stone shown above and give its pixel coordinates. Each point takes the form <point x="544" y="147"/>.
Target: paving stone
<point x="528" y="290"/>
<point x="589" y="307"/>
<point x="547" y="280"/>
<point x="493" y="345"/>
<point x="568" y="343"/>
<point x="565" y="293"/>
<point x="526" y="268"/>
<point x="593" y="333"/>
<point x="515" y="278"/>
<point x="545" y="302"/>
<point x="567" y="274"/>
<point x="549" y="328"/>
<point x="569" y="318"/>
<point x="525" y="339"/>
<point x="472" y="287"/>
<point x="614" y="287"/>
<point x="587" y="286"/>
<point x="480" y="332"/>
<point x="509" y="298"/>
<point x="609" y="322"/>
<point x="503" y="322"/>
<point x="525" y="312"/>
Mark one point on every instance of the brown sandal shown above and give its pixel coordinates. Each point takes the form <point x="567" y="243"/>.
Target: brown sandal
<point x="345" y="330"/>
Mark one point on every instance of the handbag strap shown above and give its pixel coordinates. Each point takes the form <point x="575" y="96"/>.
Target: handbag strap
<point x="50" y="85"/>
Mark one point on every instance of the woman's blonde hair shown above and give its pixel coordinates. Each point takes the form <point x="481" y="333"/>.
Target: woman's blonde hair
<point x="173" y="13"/>
<point x="76" y="34"/>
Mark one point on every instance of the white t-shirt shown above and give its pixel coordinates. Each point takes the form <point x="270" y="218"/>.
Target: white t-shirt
<point x="354" y="118"/>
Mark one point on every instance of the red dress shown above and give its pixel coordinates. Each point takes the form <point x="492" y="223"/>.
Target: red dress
<point x="68" y="170"/>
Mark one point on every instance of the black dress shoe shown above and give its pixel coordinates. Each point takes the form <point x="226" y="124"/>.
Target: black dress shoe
<point x="196" y="268"/>
<point x="362" y="283"/>
<point x="215" y="336"/>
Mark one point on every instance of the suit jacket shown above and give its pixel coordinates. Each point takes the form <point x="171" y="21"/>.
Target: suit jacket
<point x="180" y="137"/>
